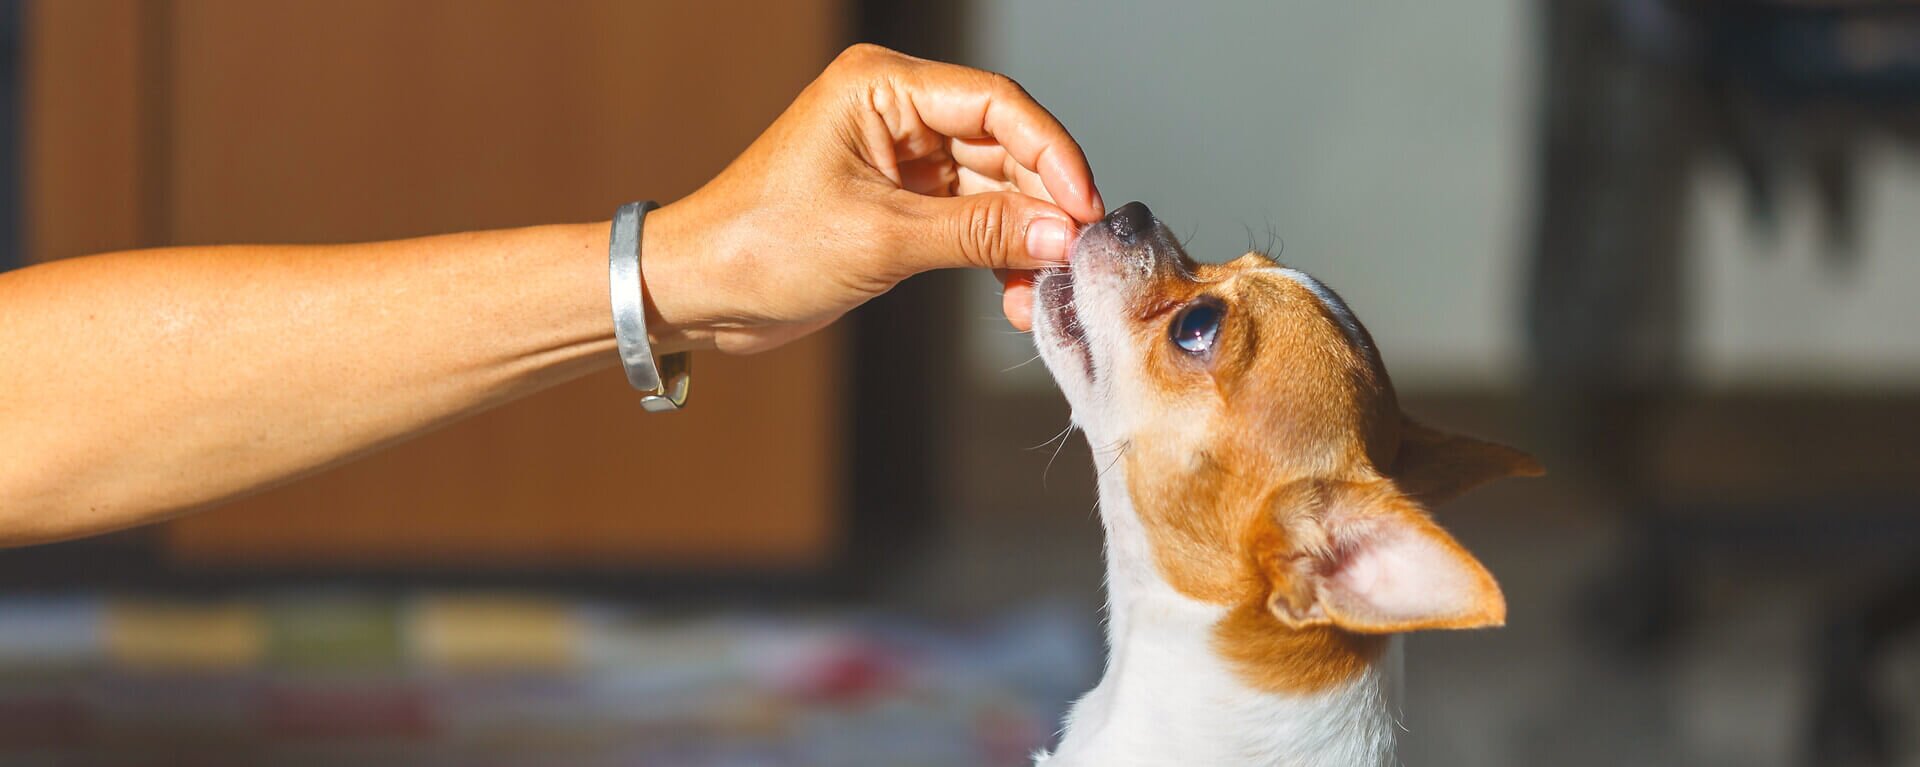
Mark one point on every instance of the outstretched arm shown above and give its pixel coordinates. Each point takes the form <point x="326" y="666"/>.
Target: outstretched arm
<point x="140" y="385"/>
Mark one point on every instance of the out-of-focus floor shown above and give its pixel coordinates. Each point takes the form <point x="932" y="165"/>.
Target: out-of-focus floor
<point x="511" y="679"/>
<point x="968" y="655"/>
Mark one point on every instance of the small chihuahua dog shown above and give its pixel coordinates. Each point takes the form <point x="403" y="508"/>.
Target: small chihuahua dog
<point x="1265" y="506"/>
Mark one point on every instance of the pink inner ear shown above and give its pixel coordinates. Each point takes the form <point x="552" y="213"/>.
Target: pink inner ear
<point x="1396" y="576"/>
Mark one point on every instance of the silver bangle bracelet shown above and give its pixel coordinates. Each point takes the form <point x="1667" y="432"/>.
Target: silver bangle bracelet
<point x="664" y="384"/>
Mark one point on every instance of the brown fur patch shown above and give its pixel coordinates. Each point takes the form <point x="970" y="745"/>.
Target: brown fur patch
<point x="1270" y="656"/>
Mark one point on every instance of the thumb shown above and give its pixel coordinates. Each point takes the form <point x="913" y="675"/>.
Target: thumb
<point x="989" y="230"/>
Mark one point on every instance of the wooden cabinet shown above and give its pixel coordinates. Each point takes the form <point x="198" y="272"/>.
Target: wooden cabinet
<point x="207" y="121"/>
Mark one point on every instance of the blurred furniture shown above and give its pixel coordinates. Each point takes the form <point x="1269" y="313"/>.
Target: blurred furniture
<point x="1637" y="94"/>
<point x="156" y="122"/>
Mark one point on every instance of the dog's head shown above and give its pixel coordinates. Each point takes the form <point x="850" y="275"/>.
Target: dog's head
<point x="1264" y="452"/>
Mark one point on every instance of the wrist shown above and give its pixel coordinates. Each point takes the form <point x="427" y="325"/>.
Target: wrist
<point x="669" y="256"/>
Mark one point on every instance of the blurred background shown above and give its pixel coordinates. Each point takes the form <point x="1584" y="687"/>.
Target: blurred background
<point x="1667" y="245"/>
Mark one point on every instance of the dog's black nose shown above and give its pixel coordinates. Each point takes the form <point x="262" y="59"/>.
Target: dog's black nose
<point x="1129" y="220"/>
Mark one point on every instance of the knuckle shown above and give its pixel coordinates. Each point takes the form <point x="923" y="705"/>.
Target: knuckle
<point x="987" y="228"/>
<point x="1003" y="85"/>
<point x="859" y="54"/>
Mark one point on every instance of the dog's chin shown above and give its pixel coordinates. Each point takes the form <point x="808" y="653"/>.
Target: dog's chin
<point x="1059" y="333"/>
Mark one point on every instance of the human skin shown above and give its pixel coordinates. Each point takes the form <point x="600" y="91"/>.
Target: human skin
<point x="141" y="385"/>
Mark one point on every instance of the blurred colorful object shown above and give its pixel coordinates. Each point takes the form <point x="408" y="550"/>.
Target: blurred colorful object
<point x="523" y="679"/>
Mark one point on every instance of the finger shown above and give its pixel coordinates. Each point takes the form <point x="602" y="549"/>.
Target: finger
<point x="985" y="156"/>
<point x="995" y="230"/>
<point x="971" y="104"/>
<point x="968" y="182"/>
<point x="1029" y="183"/>
<point x="991" y="161"/>
<point x="1016" y="299"/>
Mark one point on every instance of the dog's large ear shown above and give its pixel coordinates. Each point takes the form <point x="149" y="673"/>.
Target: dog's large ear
<point x="1366" y="558"/>
<point x="1435" y="467"/>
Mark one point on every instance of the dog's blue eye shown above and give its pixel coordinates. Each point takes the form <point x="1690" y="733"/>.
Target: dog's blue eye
<point x="1195" y="327"/>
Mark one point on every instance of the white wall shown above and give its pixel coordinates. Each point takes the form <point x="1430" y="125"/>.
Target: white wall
<point x="1772" y="314"/>
<point x="1388" y="144"/>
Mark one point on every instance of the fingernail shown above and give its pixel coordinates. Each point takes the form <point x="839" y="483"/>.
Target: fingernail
<point x="1047" y="240"/>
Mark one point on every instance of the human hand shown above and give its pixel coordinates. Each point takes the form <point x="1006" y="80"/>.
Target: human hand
<point x="884" y="167"/>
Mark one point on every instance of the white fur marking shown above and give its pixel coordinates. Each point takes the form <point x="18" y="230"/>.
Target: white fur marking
<point x="1334" y="303"/>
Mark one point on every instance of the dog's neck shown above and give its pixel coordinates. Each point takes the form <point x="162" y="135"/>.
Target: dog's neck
<point x="1168" y="697"/>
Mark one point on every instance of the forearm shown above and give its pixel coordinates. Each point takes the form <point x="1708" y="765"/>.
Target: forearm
<point x="139" y="385"/>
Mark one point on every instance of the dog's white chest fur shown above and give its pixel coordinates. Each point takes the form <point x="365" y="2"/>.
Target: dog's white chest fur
<point x="1168" y="699"/>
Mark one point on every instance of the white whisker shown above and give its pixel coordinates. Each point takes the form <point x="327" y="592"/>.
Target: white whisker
<point x="1030" y="360"/>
